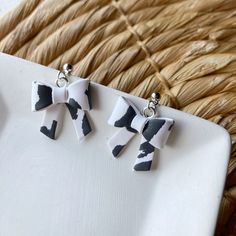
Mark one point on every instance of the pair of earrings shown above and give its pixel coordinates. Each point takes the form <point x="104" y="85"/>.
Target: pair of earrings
<point x="125" y="115"/>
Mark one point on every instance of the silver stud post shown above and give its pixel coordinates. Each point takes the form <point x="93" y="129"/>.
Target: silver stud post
<point x="67" y="69"/>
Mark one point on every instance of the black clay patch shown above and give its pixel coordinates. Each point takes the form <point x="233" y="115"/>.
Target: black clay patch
<point x="126" y="120"/>
<point x="117" y="149"/>
<point x="73" y="107"/>
<point x="145" y="149"/>
<point x="50" y="132"/>
<point x="171" y="126"/>
<point x="152" y="127"/>
<point x="88" y="94"/>
<point x="143" y="166"/>
<point x="86" y="126"/>
<point x="45" y="97"/>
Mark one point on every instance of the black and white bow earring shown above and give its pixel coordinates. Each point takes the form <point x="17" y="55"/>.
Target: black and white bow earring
<point x="72" y="92"/>
<point x="154" y="130"/>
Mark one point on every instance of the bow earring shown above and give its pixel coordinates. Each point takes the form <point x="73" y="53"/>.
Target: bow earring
<point x="74" y="95"/>
<point x="154" y="130"/>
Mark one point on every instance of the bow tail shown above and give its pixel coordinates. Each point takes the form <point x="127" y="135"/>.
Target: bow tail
<point x="81" y="124"/>
<point x="144" y="159"/>
<point x="50" y="121"/>
<point x="119" y="140"/>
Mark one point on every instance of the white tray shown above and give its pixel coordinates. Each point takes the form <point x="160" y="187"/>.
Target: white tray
<point x="67" y="188"/>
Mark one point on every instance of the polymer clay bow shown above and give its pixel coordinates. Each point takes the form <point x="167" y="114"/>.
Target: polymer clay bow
<point x="154" y="131"/>
<point x="51" y="99"/>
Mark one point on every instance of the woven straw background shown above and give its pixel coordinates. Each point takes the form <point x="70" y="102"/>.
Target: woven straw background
<point x="185" y="49"/>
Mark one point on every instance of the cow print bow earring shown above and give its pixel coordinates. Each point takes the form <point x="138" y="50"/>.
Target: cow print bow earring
<point x="72" y="92"/>
<point x="154" y="130"/>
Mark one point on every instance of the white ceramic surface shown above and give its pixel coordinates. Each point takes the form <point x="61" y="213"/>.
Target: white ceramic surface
<point x="6" y="5"/>
<point x="66" y="188"/>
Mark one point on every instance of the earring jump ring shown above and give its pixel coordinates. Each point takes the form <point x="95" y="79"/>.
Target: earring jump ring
<point x="63" y="75"/>
<point x="149" y="112"/>
<point x="61" y="80"/>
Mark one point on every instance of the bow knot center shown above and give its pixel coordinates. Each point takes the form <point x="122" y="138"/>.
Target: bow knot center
<point x="139" y="122"/>
<point x="60" y="94"/>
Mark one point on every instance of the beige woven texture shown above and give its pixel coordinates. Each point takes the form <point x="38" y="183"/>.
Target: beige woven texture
<point x="186" y="50"/>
